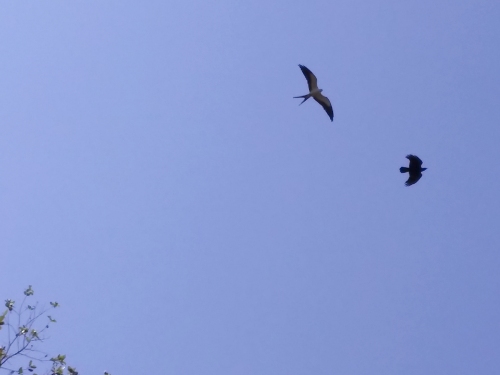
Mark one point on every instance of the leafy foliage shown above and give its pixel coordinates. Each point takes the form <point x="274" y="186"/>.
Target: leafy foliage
<point x="22" y="331"/>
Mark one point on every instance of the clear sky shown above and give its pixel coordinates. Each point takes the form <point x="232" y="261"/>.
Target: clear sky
<point x="159" y="181"/>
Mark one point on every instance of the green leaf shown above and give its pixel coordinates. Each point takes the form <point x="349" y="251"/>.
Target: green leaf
<point x="20" y="371"/>
<point x="60" y="358"/>
<point x="54" y="304"/>
<point x="2" y="317"/>
<point x="9" y="304"/>
<point x="32" y="365"/>
<point x="34" y="334"/>
<point x="72" y="370"/>
<point x="52" y="320"/>
<point x="29" y="291"/>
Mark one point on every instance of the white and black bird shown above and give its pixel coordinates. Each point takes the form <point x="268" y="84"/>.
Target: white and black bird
<point x="315" y="92"/>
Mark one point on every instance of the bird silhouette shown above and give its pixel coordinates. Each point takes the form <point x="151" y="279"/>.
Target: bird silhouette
<point x="415" y="169"/>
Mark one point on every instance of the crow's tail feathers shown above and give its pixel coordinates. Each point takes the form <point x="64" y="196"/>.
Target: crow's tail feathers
<point x="404" y="169"/>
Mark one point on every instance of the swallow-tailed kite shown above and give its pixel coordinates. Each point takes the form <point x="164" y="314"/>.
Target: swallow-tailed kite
<point x="415" y="169"/>
<point x="315" y="92"/>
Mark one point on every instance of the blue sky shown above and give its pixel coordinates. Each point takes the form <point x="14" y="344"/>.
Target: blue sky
<point x="158" y="180"/>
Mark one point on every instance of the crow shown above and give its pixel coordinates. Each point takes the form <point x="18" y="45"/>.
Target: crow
<point x="415" y="169"/>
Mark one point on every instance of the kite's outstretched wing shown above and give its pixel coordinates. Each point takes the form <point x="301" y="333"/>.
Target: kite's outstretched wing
<point x="312" y="82"/>
<point x="325" y="103"/>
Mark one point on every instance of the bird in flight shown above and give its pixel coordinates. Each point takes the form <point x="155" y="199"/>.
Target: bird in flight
<point x="415" y="169"/>
<point x="315" y="92"/>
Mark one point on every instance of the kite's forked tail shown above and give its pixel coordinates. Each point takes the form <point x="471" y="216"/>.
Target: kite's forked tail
<point x="307" y="96"/>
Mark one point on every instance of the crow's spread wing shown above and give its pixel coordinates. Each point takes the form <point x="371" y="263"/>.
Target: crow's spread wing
<point x="415" y="162"/>
<point x="413" y="179"/>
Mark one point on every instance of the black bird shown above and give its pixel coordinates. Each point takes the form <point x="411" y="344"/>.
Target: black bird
<point x="415" y="169"/>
